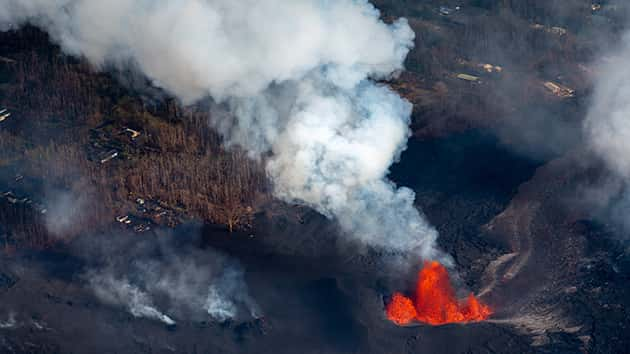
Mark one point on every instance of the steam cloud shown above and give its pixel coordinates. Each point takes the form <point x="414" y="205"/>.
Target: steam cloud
<point x="291" y="80"/>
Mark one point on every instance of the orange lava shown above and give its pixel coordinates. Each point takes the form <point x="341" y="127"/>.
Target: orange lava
<point x="401" y="310"/>
<point x="435" y="301"/>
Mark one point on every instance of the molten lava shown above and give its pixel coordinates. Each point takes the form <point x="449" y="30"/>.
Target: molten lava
<point x="435" y="301"/>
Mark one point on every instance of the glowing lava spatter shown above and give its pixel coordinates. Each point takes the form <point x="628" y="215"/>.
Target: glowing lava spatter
<point x="401" y="309"/>
<point x="435" y="301"/>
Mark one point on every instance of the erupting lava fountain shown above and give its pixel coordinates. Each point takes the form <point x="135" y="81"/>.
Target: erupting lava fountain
<point x="435" y="301"/>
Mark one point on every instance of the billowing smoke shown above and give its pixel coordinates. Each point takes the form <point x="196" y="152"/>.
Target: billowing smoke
<point x="157" y="278"/>
<point x="607" y="128"/>
<point x="294" y="81"/>
<point x="608" y="121"/>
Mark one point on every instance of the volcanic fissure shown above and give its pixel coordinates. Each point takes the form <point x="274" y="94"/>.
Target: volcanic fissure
<point x="435" y="302"/>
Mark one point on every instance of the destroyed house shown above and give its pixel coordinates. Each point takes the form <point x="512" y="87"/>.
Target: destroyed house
<point x="479" y="68"/>
<point x="555" y="30"/>
<point x="4" y="114"/>
<point x="131" y="132"/>
<point x="10" y="197"/>
<point x="469" y="78"/>
<point x="559" y="90"/>
<point x="109" y="155"/>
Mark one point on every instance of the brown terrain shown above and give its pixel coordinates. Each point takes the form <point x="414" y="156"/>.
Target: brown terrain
<point x="496" y="161"/>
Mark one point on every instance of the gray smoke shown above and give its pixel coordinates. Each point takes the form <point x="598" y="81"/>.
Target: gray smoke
<point x="10" y="322"/>
<point x="156" y="278"/>
<point x="64" y="209"/>
<point x="608" y="121"/>
<point x="226" y="294"/>
<point x="607" y="128"/>
<point x="294" y="81"/>
<point x="115" y="291"/>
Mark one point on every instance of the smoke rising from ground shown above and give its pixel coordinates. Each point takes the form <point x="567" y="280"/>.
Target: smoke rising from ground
<point x="121" y="292"/>
<point x="607" y="123"/>
<point x="10" y="322"/>
<point x="607" y="128"/>
<point x="292" y="81"/>
<point x="159" y="279"/>
<point x="64" y="210"/>
<point x="226" y="294"/>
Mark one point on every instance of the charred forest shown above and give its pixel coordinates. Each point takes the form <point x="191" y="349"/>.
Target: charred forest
<point x="70" y="115"/>
<point x="383" y="176"/>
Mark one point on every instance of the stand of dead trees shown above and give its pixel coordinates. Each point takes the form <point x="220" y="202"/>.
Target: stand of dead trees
<point x="180" y="162"/>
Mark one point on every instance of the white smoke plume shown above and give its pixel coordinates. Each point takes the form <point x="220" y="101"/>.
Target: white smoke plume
<point x="607" y="128"/>
<point x="166" y="278"/>
<point x="121" y="292"/>
<point x="64" y="209"/>
<point x="226" y="294"/>
<point x="608" y="121"/>
<point x="294" y="79"/>
<point x="10" y="322"/>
